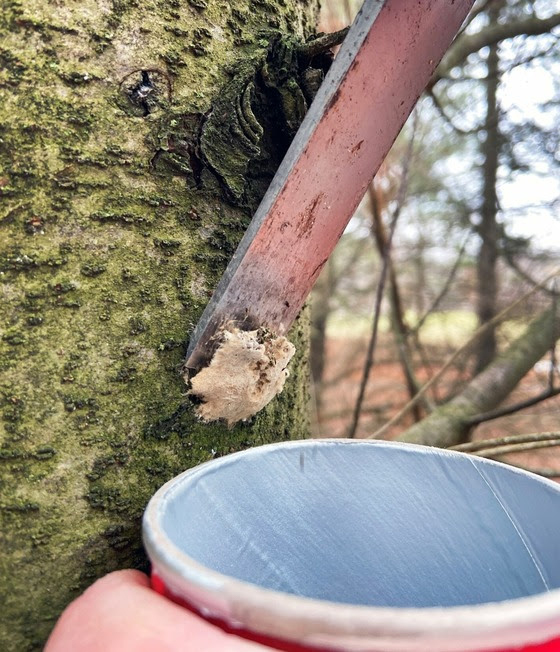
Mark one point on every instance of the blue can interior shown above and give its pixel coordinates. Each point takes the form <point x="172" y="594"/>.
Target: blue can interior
<point x="372" y="524"/>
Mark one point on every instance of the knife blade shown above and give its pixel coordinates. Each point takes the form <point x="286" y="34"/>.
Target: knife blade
<point x="384" y="64"/>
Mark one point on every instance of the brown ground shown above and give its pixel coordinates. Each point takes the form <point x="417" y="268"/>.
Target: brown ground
<point x="386" y="394"/>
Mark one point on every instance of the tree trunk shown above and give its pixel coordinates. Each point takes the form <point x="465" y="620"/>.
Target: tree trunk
<point x="320" y="312"/>
<point x="487" y="280"/>
<point x="448" y="425"/>
<point x="120" y="209"/>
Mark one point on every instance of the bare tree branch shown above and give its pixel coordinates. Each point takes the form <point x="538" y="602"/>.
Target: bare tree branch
<point x="552" y="369"/>
<point x="481" y="444"/>
<point x="366" y="409"/>
<point x="511" y="409"/>
<point x="445" y="288"/>
<point x="440" y="109"/>
<point x="523" y="61"/>
<point x="544" y="472"/>
<point x="467" y="44"/>
<point x="373" y="339"/>
<point x="447" y="425"/>
<point x="499" y="451"/>
<point x="379" y="294"/>
<point x="510" y="260"/>
<point x="512" y="66"/>
<point x="425" y="362"/>
<point x="499" y="317"/>
<point x="400" y="328"/>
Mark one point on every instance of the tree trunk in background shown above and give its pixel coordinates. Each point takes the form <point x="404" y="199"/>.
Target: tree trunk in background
<point x="398" y="322"/>
<point x="420" y="277"/>
<point x="487" y="280"/>
<point x="114" y="230"/>
<point x="320" y="312"/>
<point x="448" y="425"/>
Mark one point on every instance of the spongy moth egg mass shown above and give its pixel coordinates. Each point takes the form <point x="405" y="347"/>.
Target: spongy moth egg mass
<point x="247" y="371"/>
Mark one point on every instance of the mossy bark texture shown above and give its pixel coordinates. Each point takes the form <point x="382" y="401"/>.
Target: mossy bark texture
<point x="114" y="230"/>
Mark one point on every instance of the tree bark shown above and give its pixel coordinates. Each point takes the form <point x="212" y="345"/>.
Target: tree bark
<point x="487" y="279"/>
<point x="114" y="230"/>
<point x="449" y="424"/>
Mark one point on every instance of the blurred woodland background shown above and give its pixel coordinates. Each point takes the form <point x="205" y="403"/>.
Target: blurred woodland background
<point x="450" y="266"/>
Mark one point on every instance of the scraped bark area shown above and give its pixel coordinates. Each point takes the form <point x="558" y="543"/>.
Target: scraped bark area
<point x="247" y="371"/>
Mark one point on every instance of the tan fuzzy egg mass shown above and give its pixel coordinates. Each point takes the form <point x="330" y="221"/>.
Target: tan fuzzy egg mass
<point x="246" y="372"/>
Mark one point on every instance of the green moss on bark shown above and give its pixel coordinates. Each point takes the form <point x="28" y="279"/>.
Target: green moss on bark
<point x="107" y="260"/>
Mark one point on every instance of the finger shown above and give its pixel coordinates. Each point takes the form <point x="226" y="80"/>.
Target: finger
<point x="121" y="613"/>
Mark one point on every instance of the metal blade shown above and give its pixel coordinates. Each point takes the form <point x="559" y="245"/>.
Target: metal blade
<point x="385" y="62"/>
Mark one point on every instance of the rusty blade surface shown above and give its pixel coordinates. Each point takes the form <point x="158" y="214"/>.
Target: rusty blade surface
<point x="384" y="64"/>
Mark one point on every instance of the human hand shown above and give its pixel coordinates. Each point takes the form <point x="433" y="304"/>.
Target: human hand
<point x="121" y="613"/>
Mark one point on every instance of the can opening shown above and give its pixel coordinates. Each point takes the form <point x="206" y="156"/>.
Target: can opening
<point x="371" y="524"/>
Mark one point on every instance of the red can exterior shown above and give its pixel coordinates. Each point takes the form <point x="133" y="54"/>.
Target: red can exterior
<point x="288" y="646"/>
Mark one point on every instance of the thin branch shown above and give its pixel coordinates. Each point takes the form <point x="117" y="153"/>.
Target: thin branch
<point x="415" y="330"/>
<point x="425" y="362"/>
<point x="544" y="472"/>
<point x="445" y="287"/>
<point x="489" y="324"/>
<point x="473" y="446"/>
<point x="379" y="294"/>
<point x="470" y="43"/>
<point x="440" y="109"/>
<point x="373" y="339"/>
<point x="366" y="409"/>
<point x="498" y="451"/>
<point x="412" y="383"/>
<point x="531" y="57"/>
<point x="400" y="328"/>
<point x="464" y="77"/>
<point x="349" y="371"/>
<point x="458" y="78"/>
<point x="510" y="260"/>
<point x="553" y="343"/>
<point x="511" y="409"/>
<point x="357" y="252"/>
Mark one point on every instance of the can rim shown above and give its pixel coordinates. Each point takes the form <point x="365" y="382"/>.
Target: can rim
<point x="495" y="625"/>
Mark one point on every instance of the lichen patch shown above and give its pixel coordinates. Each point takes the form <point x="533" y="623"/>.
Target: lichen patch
<point x="247" y="371"/>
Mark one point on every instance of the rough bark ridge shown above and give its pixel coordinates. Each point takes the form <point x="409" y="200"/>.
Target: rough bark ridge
<point x="113" y="232"/>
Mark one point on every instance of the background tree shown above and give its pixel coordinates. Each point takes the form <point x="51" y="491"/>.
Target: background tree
<point x="487" y="230"/>
<point x="479" y="164"/>
<point x="500" y="37"/>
